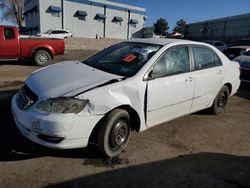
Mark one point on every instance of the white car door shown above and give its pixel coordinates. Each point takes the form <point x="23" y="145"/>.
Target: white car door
<point x="170" y="92"/>
<point x="208" y="74"/>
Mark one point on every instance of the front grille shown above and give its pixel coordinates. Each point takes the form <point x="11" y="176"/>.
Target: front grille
<point x="26" y="97"/>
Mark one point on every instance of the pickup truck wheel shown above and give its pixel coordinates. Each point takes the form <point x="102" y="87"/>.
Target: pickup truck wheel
<point x="220" y="101"/>
<point x="42" y="58"/>
<point x="114" y="133"/>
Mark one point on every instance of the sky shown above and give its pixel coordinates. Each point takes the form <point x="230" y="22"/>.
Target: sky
<point x="189" y="10"/>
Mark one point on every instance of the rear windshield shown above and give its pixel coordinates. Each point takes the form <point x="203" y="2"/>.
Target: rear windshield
<point x="124" y="59"/>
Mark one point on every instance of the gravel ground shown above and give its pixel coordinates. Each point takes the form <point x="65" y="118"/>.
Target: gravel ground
<point x="198" y="150"/>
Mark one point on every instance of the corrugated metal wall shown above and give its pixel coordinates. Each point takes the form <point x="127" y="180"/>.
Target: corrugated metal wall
<point x="226" y="29"/>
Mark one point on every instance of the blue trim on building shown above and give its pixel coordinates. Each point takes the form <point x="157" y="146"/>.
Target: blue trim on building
<point x="86" y="2"/>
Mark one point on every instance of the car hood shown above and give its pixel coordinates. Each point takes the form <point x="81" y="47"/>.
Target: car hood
<point x="67" y="79"/>
<point x="243" y="60"/>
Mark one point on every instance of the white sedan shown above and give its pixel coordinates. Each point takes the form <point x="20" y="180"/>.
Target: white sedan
<point x="59" y="34"/>
<point x="133" y="85"/>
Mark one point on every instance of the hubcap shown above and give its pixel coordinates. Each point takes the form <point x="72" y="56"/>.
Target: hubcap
<point x="119" y="134"/>
<point x="221" y="101"/>
<point x="42" y="58"/>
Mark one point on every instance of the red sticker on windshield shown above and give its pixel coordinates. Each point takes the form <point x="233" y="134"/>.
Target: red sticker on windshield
<point x="130" y="58"/>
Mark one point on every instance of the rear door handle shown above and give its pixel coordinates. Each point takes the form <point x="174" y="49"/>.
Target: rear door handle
<point x="189" y="79"/>
<point x="219" y="72"/>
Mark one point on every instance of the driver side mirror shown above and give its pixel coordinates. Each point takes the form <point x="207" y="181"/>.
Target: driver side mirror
<point x="150" y="75"/>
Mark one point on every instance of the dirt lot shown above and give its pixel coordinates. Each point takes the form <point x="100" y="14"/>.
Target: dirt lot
<point x="198" y="150"/>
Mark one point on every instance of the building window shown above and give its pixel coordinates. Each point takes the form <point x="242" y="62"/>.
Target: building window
<point x="54" y="11"/>
<point x="81" y="15"/>
<point x="133" y="22"/>
<point x="55" y="14"/>
<point x="118" y="20"/>
<point x="100" y="18"/>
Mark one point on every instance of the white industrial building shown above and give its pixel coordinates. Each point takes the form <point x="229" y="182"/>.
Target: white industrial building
<point x="85" y="18"/>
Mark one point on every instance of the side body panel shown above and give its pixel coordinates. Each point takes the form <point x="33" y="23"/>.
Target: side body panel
<point x="29" y="46"/>
<point x="169" y="97"/>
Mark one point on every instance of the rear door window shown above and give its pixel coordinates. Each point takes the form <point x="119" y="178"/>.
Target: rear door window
<point x="56" y="32"/>
<point x="205" y="58"/>
<point x="9" y="33"/>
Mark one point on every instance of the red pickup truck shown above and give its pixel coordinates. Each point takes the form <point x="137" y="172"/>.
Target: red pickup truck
<point x="41" y="50"/>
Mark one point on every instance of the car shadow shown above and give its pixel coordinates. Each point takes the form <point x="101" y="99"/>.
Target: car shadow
<point x="18" y="62"/>
<point x="195" y="170"/>
<point x="15" y="147"/>
<point x="244" y="91"/>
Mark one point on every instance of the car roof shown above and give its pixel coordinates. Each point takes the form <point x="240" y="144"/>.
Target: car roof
<point x="157" y="41"/>
<point x="59" y="30"/>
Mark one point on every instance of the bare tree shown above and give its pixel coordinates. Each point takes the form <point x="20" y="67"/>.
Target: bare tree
<point x="13" y="10"/>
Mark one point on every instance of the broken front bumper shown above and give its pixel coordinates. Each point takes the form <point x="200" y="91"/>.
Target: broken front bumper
<point x="60" y="131"/>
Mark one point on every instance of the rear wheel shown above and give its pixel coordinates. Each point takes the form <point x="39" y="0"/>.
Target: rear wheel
<point x="220" y="101"/>
<point x="114" y="133"/>
<point x="42" y="58"/>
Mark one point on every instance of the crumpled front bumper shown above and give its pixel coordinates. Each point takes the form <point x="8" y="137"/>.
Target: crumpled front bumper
<point x="72" y="130"/>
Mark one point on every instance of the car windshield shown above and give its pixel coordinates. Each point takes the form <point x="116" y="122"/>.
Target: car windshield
<point x="47" y="32"/>
<point x="124" y="59"/>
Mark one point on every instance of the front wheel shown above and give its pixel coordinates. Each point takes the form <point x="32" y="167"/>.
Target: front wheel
<point x="220" y="101"/>
<point x="114" y="133"/>
<point x="42" y="58"/>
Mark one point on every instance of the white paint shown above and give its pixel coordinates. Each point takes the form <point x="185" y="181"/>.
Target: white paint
<point x="167" y="98"/>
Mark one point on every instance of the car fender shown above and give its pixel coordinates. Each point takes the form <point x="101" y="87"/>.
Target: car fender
<point x="45" y="46"/>
<point x="103" y="100"/>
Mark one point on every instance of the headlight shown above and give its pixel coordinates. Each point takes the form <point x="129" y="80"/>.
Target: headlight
<point x="61" y="105"/>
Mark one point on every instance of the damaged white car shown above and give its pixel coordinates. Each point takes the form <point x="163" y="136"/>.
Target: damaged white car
<point x="133" y="85"/>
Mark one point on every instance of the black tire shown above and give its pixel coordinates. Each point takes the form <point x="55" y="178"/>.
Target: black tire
<point x="220" y="101"/>
<point x="42" y="58"/>
<point x="114" y="133"/>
